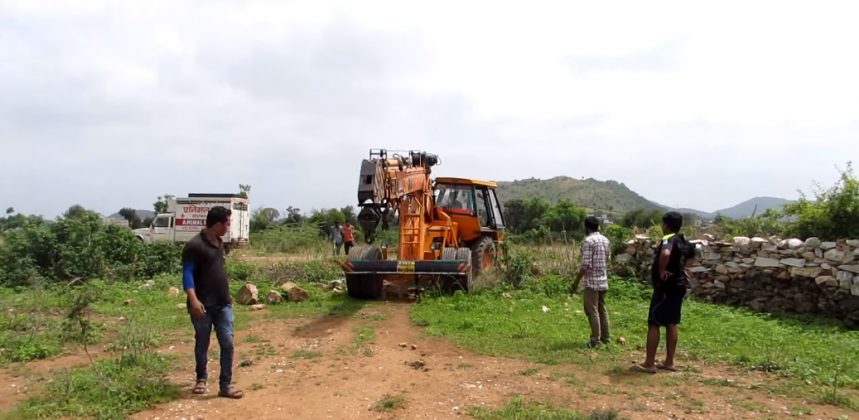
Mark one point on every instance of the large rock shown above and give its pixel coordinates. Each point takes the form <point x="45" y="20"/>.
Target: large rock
<point x="835" y="255"/>
<point x="851" y="268"/>
<point x="812" y="242"/>
<point x="811" y="272"/>
<point x="273" y="297"/>
<point x="853" y="242"/>
<point x="844" y="276"/>
<point x="827" y="245"/>
<point x="793" y="262"/>
<point x="854" y="290"/>
<point x="248" y="295"/>
<point x="809" y="256"/>
<point x="794" y="243"/>
<point x="826" y="281"/>
<point x="742" y="241"/>
<point x="766" y="262"/>
<point x="623" y="258"/>
<point x="294" y="292"/>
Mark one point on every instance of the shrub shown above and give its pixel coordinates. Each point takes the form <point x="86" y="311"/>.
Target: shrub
<point x="833" y="212"/>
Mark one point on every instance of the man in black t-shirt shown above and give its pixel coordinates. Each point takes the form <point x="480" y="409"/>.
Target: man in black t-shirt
<point x="669" y="288"/>
<point x="204" y="278"/>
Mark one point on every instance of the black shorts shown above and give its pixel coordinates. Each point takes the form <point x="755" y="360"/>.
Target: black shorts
<point x="665" y="305"/>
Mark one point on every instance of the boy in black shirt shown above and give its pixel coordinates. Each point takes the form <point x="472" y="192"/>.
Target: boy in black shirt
<point x="669" y="288"/>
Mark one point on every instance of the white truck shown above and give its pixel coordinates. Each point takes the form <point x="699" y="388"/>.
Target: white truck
<point x="186" y="216"/>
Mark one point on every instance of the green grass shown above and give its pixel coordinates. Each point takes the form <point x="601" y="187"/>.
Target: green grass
<point x="306" y="354"/>
<point x="390" y="402"/>
<point x="517" y="409"/>
<point x="109" y="389"/>
<point x="800" y="348"/>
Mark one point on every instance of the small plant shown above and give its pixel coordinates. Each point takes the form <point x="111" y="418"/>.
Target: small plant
<point x="306" y="354"/>
<point x="529" y="371"/>
<point x="390" y="402"/>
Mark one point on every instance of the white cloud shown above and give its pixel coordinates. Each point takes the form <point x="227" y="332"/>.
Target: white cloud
<point x="111" y="104"/>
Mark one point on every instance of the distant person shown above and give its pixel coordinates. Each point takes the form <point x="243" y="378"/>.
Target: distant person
<point x="348" y="237"/>
<point x="335" y="234"/>
<point x="669" y="288"/>
<point x="205" y="281"/>
<point x="595" y="256"/>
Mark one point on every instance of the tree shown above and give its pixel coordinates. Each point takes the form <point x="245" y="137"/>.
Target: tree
<point x="131" y="215"/>
<point x="293" y="215"/>
<point x="160" y="205"/>
<point x="564" y="216"/>
<point x="244" y="190"/>
<point x="834" y="212"/>
<point x="262" y="218"/>
<point x="10" y="210"/>
<point x="75" y="212"/>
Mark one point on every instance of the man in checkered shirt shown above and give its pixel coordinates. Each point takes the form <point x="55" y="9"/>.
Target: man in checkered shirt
<point x="595" y="256"/>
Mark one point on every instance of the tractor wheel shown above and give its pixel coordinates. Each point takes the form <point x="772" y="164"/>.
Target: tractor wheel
<point x="484" y="255"/>
<point x="464" y="283"/>
<point x="364" y="286"/>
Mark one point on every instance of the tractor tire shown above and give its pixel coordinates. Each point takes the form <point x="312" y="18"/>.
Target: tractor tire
<point x="484" y="255"/>
<point x="464" y="283"/>
<point x="364" y="286"/>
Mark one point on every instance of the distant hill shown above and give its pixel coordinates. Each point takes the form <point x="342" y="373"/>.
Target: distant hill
<point x="614" y="196"/>
<point x="591" y="193"/>
<point x="746" y="208"/>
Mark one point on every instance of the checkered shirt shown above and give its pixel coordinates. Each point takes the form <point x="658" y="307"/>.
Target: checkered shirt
<point x="595" y="255"/>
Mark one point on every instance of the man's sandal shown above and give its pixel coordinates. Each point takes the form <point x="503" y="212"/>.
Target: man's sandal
<point x="663" y="366"/>
<point x="199" y="387"/>
<point x="642" y="369"/>
<point x="231" y="393"/>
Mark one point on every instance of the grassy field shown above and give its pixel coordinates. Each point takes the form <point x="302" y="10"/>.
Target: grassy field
<point x="544" y="323"/>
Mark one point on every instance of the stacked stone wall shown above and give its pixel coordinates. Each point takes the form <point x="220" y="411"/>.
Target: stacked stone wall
<point x="769" y="274"/>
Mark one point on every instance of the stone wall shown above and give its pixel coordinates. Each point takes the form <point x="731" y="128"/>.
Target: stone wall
<point x="769" y="274"/>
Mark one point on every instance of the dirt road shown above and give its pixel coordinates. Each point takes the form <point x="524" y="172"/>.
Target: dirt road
<point x="330" y="367"/>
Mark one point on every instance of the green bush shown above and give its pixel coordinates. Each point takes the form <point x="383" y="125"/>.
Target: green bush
<point x="515" y="264"/>
<point x="79" y="246"/>
<point x="833" y="214"/>
<point x="289" y="239"/>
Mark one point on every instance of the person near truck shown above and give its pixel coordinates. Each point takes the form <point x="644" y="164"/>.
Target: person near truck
<point x="206" y="284"/>
<point x="348" y="237"/>
<point x="335" y="234"/>
<point x="670" y="280"/>
<point x="595" y="256"/>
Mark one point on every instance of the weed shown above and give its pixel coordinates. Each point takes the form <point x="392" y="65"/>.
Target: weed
<point x="529" y="371"/>
<point x="306" y="354"/>
<point x="390" y="402"/>
<point x="517" y="408"/>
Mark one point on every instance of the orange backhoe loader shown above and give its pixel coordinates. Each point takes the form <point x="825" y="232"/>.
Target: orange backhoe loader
<point x="449" y="229"/>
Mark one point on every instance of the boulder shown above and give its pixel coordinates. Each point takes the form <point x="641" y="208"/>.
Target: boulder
<point x="812" y="242"/>
<point x="811" y="272"/>
<point x="294" y="292"/>
<point x="851" y="268"/>
<point x="273" y="297"/>
<point x="827" y="245"/>
<point x="766" y="262"/>
<point x="793" y="262"/>
<point x="853" y="243"/>
<point x="742" y="241"/>
<point x="834" y="254"/>
<point x="826" y="281"/>
<point x="854" y="290"/>
<point x="248" y="295"/>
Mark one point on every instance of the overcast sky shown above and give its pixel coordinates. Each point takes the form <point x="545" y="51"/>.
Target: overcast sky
<point x="692" y="104"/>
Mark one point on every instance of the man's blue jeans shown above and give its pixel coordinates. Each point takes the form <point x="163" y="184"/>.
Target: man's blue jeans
<point x="221" y="317"/>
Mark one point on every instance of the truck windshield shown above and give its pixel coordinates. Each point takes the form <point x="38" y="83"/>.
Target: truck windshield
<point x="161" y="222"/>
<point x="455" y="199"/>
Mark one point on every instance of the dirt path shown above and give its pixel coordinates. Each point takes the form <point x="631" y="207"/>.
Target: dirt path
<point x="326" y="368"/>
